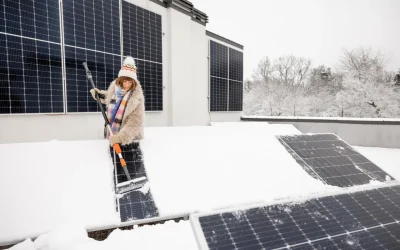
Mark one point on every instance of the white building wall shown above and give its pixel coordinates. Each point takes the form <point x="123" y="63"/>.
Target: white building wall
<point x="231" y="116"/>
<point x="188" y="70"/>
<point x="365" y="134"/>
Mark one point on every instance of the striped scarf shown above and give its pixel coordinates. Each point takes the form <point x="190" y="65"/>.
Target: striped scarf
<point x="116" y="108"/>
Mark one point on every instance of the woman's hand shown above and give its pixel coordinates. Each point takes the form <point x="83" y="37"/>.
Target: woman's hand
<point x="99" y="92"/>
<point x="114" y="139"/>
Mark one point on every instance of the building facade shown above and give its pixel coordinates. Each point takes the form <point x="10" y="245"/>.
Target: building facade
<point x="190" y="76"/>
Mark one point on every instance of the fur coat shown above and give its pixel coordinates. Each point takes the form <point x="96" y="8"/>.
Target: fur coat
<point x="133" y="119"/>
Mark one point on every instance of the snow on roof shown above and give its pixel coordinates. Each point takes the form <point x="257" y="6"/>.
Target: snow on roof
<point x="45" y="185"/>
<point x="204" y="168"/>
<point x="170" y="235"/>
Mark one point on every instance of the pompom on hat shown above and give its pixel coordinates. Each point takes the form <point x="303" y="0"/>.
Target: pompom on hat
<point x="128" y="68"/>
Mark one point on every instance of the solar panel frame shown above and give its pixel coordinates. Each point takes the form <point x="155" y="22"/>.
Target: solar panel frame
<point x="343" y="167"/>
<point x="392" y="197"/>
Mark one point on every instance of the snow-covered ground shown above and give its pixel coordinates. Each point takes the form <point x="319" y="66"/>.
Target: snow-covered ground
<point x="58" y="189"/>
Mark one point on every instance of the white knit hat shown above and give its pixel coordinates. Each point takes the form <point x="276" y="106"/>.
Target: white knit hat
<point x="128" y="68"/>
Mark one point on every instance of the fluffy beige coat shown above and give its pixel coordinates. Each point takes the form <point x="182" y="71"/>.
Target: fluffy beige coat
<point x="133" y="119"/>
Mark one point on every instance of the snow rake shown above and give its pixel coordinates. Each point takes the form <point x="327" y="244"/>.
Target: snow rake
<point x="130" y="184"/>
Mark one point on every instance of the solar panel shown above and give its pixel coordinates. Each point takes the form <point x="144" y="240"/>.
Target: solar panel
<point x="226" y="78"/>
<point x="31" y="19"/>
<point x="219" y="60"/>
<point x="142" y="39"/>
<point x="150" y="77"/>
<point x="235" y="95"/>
<point x="219" y="94"/>
<point x="92" y="25"/>
<point x="30" y="61"/>
<point x="235" y="65"/>
<point x="91" y="34"/>
<point x="137" y="204"/>
<point x="367" y="219"/>
<point x="104" y="68"/>
<point x="330" y="159"/>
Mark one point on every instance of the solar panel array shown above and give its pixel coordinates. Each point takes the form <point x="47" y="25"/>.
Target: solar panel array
<point x="36" y="37"/>
<point x="142" y="39"/>
<point x="368" y="219"/>
<point x="330" y="159"/>
<point x="226" y="78"/>
<point x="134" y="205"/>
<point x="30" y="57"/>
<point x="92" y="35"/>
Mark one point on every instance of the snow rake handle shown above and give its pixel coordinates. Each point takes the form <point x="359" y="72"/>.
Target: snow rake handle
<point x="116" y="146"/>
<point x="117" y="149"/>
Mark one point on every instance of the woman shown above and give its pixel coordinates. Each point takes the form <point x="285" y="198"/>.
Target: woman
<point x="125" y="111"/>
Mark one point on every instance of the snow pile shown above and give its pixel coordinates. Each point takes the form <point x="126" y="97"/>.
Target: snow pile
<point x="386" y="158"/>
<point x="25" y="245"/>
<point x="46" y="184"/>
<point x="170" y="235"/>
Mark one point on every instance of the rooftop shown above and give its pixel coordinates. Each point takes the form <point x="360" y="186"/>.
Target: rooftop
<point x="60" y="188"/>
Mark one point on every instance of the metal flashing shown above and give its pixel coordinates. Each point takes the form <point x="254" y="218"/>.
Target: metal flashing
<point x="223" y="39"/>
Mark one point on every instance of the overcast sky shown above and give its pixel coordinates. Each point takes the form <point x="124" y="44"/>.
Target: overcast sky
<point x="317" y="29"/>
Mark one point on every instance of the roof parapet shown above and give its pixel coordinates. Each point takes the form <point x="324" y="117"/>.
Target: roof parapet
<point x="186" y="7"/>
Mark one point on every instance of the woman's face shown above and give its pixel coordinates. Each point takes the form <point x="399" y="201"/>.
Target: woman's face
<point x="127" y="84"/>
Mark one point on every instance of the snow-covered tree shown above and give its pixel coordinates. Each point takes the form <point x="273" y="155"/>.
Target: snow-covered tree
<point x="370" y="99"/>
<point x="290" y="70"/>
<point x="322" y="78"/>
<point x="364" y="63"/>
<point x="287" y="86"/>
<point x="397" y="78"/>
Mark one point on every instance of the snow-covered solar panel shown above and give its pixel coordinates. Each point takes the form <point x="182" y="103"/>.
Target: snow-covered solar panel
<point x="138" y="204"/>
<point x="332" y="160"/>
<point x="367" y="219"/>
